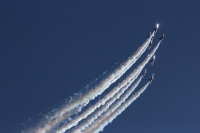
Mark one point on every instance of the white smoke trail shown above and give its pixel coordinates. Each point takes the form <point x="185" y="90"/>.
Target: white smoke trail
<point x="118" y="91"/>
<point x="115" y="90"/>
<point x="94" y="92"/>
<point x="141" y="66"/>
<point x="116" y="110"/>
<point x="97" y="90"/>
<point x="104" y="108"/>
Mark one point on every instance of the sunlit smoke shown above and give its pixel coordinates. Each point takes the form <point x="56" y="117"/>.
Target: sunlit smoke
<point x="116" y="110"/>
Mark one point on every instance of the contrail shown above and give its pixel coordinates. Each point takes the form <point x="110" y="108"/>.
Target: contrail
<point x="118" y="91"/>
<point x="97" y="90"/>
<point x="116" y="110"/>
<point x="82" y="101"/>
<point x="104" y="108"/>
<point x="115" y="90"/>
<point x="141" y="66"/>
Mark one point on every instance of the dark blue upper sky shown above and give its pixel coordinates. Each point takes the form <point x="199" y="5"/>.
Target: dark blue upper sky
<point x="50" y="49"/>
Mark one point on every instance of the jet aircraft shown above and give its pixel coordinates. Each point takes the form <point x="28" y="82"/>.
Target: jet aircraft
<point x="149" y="35"/>
<point x="156" y="28"/>
<point x="144" y="73"/>
<point x="162" y="37"/>
<point x="151" y="79"/>
<point x="153" y="59"/>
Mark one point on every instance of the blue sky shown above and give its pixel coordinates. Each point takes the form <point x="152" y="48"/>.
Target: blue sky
<point x="51" y="49"/>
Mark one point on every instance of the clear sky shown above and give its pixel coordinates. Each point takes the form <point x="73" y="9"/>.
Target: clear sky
<point x="50" y="49"/>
